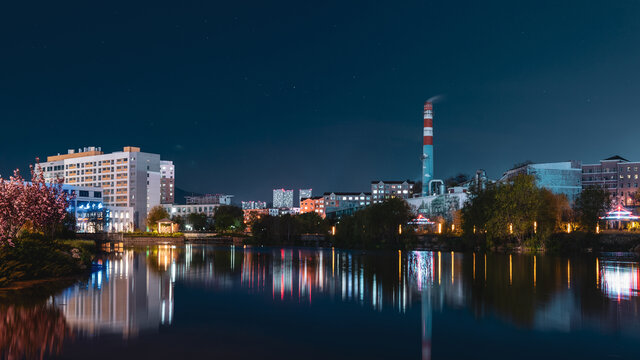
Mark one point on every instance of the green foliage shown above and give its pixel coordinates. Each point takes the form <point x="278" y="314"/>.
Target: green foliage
<point x="156" y="214"/>
<point x="515" y="211"/>
<point x="592" y="202"/>
<point x="376" y="226"/>
<point x="198" y="221"/>
<point x="229" y="218"/>
<point x="33" y="257"/>
<point x="287" y="229"/>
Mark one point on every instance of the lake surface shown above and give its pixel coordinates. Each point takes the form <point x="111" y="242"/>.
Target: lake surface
<point x="224" y="302"/>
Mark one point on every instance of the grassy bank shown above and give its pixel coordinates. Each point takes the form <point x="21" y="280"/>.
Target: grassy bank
<point x="562" y="243"/>
<point x="36" y="258"/>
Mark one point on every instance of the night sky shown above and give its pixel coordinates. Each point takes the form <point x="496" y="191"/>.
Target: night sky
<point x="247" y="96"/>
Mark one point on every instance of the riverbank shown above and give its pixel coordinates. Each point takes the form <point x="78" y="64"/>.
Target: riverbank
<point x="39" y="259"/>
<point x="575" y="242"/>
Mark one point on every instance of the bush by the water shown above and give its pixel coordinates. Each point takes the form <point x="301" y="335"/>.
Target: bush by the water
<point x="35" y="257"/>
<point x="287" y="229"/>
<point x="377" y="226"/>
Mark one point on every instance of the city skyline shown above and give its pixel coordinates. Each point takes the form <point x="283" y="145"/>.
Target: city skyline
<point x="510" y="75"/>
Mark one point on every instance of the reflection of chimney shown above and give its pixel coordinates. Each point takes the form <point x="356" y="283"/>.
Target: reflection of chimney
<point x="427" y="148"/>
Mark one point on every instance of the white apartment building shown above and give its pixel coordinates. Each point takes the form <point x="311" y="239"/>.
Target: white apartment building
<point x="130" y="180"/>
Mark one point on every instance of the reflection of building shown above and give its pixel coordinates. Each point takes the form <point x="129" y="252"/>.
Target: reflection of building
<point x="616" y="174"/>
<point x="559" y="177"/>
<point x="282" y="198"/>
<point x="125" y="297"/>
<point x="381" y="190"/>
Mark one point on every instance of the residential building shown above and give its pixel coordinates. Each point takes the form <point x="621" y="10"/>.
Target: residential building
<point x="304" y="194"/>
<point x="209" y="199"/>
<point x="250" y="205"/>
<point x="184" y="210"/>
<point x="339" y="201"/>
<point x="559" y="177"/>
<point x="282" y="198"/>
<point x="167" y="182"/>
<point x="381" y="190"/>
<point x="313" y="204"/>
<point x="616" y="174"/>
<point x="129" y="179"/>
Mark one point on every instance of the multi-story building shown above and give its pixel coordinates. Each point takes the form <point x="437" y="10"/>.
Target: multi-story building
<point x="381" y="190"/>
<point x="250" y="205"/>
<point x="209" y="199"/>
<point x="250" y="215"/>
<point x="129" y="179"/>
<point x="559" y="177"/>
<point x="184" y="210"/>
<point x="338" y="201"/>
<point x="313" y="204"/>
<point x="304" y="194"/>
<point x="616" y="174"/>
<point x="282" y="198"/>
<point x="167" y="182"/>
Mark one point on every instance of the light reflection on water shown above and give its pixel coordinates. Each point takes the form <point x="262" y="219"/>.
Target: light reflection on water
<point x="134" y="292"/>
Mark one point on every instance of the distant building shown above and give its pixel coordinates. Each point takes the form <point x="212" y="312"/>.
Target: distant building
<point x="250" y="205"/>
<point x="381" y="190"/>
<point x="184" y="210"/>
<point x="282" y="198"/>
<point x="313" y="204"/>
<point x="209" y="199"/>
<point x="560" y="177"/>
<point x="304" y="194"/>
<point x="345" y="202"/>
<point x="616" y="174"/>
<point x="130" y="180"/>
<point x="167" y="182"/>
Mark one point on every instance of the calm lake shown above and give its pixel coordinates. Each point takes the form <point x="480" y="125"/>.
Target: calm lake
<point x="226" y="302"/>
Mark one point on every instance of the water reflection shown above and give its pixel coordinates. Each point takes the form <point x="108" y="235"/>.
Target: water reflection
<point x="134" y="291"/>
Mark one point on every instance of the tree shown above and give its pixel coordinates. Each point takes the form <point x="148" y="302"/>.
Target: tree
<point x="156" y="214"/>
<point x="228" y="218"/>
<point x="455" y="180"/>
<point x="592" y="202"/>
<point x="376" y="226"/>
<point x="515" y="210"/>
<point x="311" y="223"/>
<point x="42" y="205"/>
<point x="198" y="221"/>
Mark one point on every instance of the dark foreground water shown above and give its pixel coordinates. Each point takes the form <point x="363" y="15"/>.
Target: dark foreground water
<point x="299" y="303"/>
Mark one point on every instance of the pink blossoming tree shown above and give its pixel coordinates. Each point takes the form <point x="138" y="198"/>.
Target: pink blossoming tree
<point x="37" y="203"/>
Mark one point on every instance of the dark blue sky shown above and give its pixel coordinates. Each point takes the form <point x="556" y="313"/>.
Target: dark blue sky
<point x="247" y="96"/>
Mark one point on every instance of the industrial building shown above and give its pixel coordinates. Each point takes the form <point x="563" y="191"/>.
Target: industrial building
<point x="560" y="177"/>
<point x="616" y="174"/>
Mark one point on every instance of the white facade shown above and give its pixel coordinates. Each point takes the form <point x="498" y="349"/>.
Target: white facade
<point x="129" y="179"/>
<point x="282" y="198"/>
<point x="183" y="210"/>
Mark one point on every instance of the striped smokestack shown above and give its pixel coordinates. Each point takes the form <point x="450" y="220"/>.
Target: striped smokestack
<point x="427" y="148"/>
